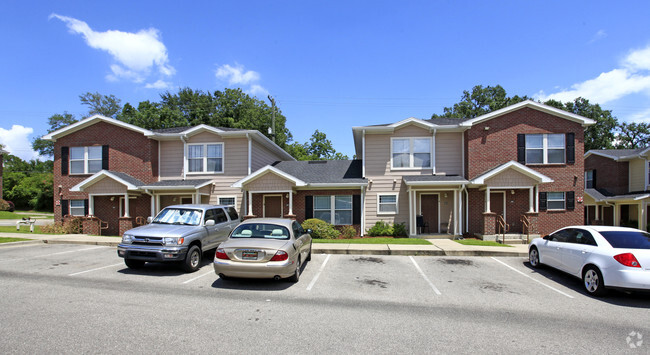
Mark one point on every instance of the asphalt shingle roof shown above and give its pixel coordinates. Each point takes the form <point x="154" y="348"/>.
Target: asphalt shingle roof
<point x="324" y="171"/>
<point x="179" y="183"/>
<point x="126" y="177"/>
<point x="434" y="178"/>
<point x="618" y="153"/>
<point x="182" y="129"/>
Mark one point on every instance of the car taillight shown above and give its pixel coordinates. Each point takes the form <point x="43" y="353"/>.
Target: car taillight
<point x="280" y="256"/>
<point x="221" y="254"/>
<point x="627" y="259"/>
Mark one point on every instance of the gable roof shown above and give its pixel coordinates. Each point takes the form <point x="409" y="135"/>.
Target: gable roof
<point x="88" y="121"/>
<point x="529" y="104"/>
<point x="533" y="174"/>
<point x="599" y="197"/>
<point x="425" y="180"/>
<point x="127" y="180"/>
<point x="319" y="173"/>
<point x="618" y="154"/>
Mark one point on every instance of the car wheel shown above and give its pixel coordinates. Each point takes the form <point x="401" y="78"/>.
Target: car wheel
<point x="296" y="274"/>
<point x="192" y="259"/>
<point x="593" y="281"/>
<point x="134" y="264"/>
<point x="308" y="258"/>
<point x="533" y="258"/>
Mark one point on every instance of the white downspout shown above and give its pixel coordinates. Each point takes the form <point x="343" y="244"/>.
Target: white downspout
<point x="153" y="203"/>
<point x="183" y="138"/>
<point x="363" y="155"/>
<point x="250" y="152"/>
<point x="433" y="152"/>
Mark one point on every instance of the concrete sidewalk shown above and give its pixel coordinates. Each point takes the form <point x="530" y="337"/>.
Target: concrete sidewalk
<point x="439" y="246"/>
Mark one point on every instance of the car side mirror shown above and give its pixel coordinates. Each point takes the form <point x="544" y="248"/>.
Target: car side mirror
<point x="309" y="231"/>
<point x="209" y="222"/>
<point x="546" y="237"/>
<point x="149" y="219"/>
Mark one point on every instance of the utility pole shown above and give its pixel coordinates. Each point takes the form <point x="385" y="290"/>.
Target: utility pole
<point x="272" y="128"/>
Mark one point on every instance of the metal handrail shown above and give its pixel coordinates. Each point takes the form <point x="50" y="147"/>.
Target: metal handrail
<point x="503" y="227"/>
<point x="526" y="223"/>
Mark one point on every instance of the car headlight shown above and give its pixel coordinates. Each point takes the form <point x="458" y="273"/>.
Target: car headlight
<point x="127" y="239"/>
<point x="173" y="241"/>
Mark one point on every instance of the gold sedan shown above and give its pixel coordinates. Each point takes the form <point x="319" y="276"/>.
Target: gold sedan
<point x="264" y="248"/>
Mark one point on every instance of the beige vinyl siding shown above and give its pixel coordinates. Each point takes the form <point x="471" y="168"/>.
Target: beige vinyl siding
<point x="106" y="186"/>
<point x="269" y="182"/>
<point x="637" y="175"/>
<point x="378" y="152"/>
<point x="262" y="157"/>
<point x="449" y="153"/>
<point x="171" y="160"/>
<point x="510" y="178"/>
<point x="381" y="186"/>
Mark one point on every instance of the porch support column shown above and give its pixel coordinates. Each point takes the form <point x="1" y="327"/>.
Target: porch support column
<point x="363" y="210"/>
<point x="459" y="212"/>
<point x="537" y="198"/>
<point x="412" y="230"/>
<point x="531" y="198"/>
<point x="641" y="209"/>
<point x="157" y="205"/>
<point x="597" y="207"/>
<point x="250" y="203"/>
<point x="487" y="200"/>
<point x="126" y="205"/>
<point x="91" y="205"/>
<point x="455" y="216"/>
<point x="615" y="214"/>
<point x="153" y="206"/>
<point x="290" y="202"/>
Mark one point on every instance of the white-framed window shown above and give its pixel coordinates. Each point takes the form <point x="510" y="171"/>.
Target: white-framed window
<point x="545" y="148"/>
<point x="227" y="201"/>
<point x="589" y="179"/>
<point x="555" y="201"/>
<point x="77" y="207"/>
<point x="85" y="160"/>
<point x="387" y="204"/>
<point x="334" y="209"/>
<point x="205" y="158"/>
<point x="411" y="153"/>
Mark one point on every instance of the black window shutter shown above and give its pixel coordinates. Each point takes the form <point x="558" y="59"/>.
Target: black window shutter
<point x="356" y="209"/>
<point x="104" y="157"/>
<point x="570" y="148"/>
<point x="309" y="207"/>
<point x="85" y="207"/>
<point x="64" y="208"/>
<point x="521" y="148"/>
<point x="570" y="200"/>
<point x="542" y="201"/>
<point x="65" y="152"/>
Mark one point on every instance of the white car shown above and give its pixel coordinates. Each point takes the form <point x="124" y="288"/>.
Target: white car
<point x="603" y="257"/>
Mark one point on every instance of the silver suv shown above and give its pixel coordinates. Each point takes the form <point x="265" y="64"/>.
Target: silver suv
<point x="179" y="233"/>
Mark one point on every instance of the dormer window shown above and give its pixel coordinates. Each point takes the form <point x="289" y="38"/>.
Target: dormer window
<point x="411" y="153"/>
<point x="205" y="158"/>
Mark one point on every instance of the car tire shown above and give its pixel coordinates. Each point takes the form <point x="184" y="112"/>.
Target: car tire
<point x="134" y="264"/>
<point x="533" y="258"/>
<point x="592" y="280"/>
<point x="296" y="274"/>
<point x="308" y="258"/>
<point x="192" y="259"/>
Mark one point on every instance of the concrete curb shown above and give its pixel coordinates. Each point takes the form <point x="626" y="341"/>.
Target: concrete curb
<point x="439" y="252"/>
<point x="81" y="242"/>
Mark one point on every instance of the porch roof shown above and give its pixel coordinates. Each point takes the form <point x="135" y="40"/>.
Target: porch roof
<point x="127" y="180"/>
<point x="192" y="184"/>
<point x="533" y="174"/>
<point x="599" y="197"/>
<point x="428" y="180"/>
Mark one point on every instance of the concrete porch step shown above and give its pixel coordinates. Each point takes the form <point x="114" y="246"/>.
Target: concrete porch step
<point x="512" y="238"/>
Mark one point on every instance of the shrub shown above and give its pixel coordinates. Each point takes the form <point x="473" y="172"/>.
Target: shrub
<point x="399" y="230"/>
<point x="69" y="226"/>
<point x="4" y="205"/>
<point x="381" y="229"/>
<point x="348" y="232"/>
<point x="321" y="229"/>
<point x="12" y="207"/>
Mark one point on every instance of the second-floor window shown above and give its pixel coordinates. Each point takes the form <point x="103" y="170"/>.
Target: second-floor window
<point x="545" y="148"/>
<point x="205" y="158"/>
<point x="589" y="179"/>
<point x="411" y="153"/>
<point x="85" y="160"/>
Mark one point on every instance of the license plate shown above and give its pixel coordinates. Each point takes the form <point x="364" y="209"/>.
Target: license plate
<point x="249" y="255"/>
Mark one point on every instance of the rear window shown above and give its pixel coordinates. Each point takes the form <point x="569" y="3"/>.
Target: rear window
<point x="628" y="239"/>
<point x="260" y="230"/>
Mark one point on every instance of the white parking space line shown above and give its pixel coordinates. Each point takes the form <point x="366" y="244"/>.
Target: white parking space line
<point x="311" y="284"/>
<point x="200" y="276"/>
<point x="435" y="289"/>
<point x="52" y="254"/>
<point x="95" y="269"/>
<point x="528" y="276"/>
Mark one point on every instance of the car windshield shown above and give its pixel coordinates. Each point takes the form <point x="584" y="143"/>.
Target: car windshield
<point x="628" y="239"/>
<point x="260" y="230"/>
<point x="182" y="216"/>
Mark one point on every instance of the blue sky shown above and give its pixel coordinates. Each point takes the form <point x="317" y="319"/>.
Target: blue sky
<point x="330" y="65"/>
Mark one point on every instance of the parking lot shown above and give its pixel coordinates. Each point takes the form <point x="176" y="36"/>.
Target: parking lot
<point x="432" y="299"/>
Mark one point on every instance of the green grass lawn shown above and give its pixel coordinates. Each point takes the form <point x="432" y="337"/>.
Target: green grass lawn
<point x="23" y="229"/>
<point x="9" y="240"/>
<point x="483" y="243"/>
<point x="9" y="215"/>
<point x="377" y="240"/>
<point x="25" y="214"/>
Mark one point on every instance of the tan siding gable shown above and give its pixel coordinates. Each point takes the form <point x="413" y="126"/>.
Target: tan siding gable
<point x="637" y="175"/>
<point x="105" y="186"/>
<point x="269" y="182"/>
<point x="449" y="153"/>
<point x="235" y="153"/>
<point x="171" y="160"/>
<point x="378" y="152"/>
<point x="510" y="178"/>
<point x="205" y="137"/>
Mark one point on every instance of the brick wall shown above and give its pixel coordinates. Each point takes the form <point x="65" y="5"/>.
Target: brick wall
<point x="487" y="149"/>
<point x="129" y="152"/>
<point x="610" y="175"/>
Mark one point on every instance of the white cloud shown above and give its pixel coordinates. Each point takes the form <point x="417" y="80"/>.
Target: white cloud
<point x="135" y="54"/>
<point x="633" y="77"/>
<point x="598" y="36"/>
<point x="238" y="75"/>
<point x="16" y="142"/>
<point x="160" y="84"/>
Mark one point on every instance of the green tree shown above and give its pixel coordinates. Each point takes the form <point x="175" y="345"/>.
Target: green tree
<point x="318" y="148"/>
<point x="56" y="121"/>
<point x="479" y="101"/>
<point x="633" y="135"/>
<point x="108" y="106"/>
<point x="28" y="184"/>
